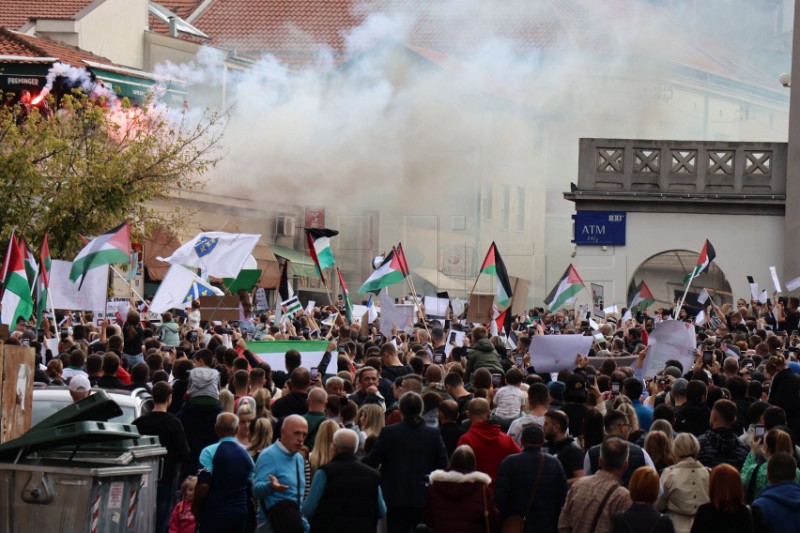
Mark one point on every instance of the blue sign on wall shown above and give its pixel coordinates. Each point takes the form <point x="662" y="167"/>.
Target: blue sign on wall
<point x="598" y="228"/>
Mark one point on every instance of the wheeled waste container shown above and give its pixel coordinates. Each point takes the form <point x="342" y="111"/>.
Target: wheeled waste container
<point x="73" y="472"/>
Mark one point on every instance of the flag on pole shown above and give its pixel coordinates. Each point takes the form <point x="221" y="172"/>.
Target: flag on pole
<point x="502" y="322"/>
<point x="179" y="287"/>
<point x="291" y="307"/>
<point x="319" y="245"/>
<point x="218" y="254"/>
<point x="31" y="265"/>
<point x="642" y="298"/>
<point x="284" y="292"/>
<point x="401" y="256"/>
<point x="12" y="245"/>
<point x="16" y="300"/>
<point x="348" y="303"/>
<point x="494" y="266"/>
<point x="707" y="255"/>
<point x="566" y="290"/>
<point x="114" y="246"/>
<point x="45" y="262"/>
<point x="388" y="273"/>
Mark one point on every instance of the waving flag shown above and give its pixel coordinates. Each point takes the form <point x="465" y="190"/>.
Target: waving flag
<point x="642" y="298"/>
<point x="43" y="286"/>
<point x="114" y="246"/>
<point x="707" y="256"/>
<point x="179" y="287"/>
<point x="219" y="254"/>
<point x="348" y="303"/>
<point x="388" y="273"/>
<point x="566" y="290"/>
<point x="16" y="300"/>
<point x="319" y="245"/>
<point x="291" y="307"/>
<point x="401" y="256"/>
<point x="494" y="266"/>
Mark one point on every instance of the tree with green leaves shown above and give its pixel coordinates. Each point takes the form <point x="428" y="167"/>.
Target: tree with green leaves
<point x="86" y="168"/>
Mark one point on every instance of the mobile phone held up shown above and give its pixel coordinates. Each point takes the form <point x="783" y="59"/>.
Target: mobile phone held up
<point x="314" y="371"/>
<point x="497" y="380"/>
<point x="708" y="357"/>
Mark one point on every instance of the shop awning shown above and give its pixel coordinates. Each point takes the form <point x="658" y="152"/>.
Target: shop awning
<point x="301" y="265"/>
<point x="268" y="263"/>
<point x="18" y="77"/>
<point x="136" y="86"/>
<point x="161" y="243"/>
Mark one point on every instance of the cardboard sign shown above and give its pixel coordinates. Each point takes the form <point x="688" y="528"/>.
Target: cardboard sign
<point x="219" y="307"/>
<point x="480" y="308"/>
<point x="671" y="339"/>
<point x="553" y="353"/>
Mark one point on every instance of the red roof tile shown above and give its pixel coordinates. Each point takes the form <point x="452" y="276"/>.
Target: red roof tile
<point x="16" y="13"/>
<point x="294" y="30"/>
<point x="17" y="44"/>
<point x="181" y="8"/>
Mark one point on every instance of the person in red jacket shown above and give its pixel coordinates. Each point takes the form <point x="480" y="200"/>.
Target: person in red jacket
<point x="459" y="498"/>
<point x="490" y="445"/>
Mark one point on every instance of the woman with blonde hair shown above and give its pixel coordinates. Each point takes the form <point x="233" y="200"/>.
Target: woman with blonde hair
<point x="262" y="398"/>
<point x="226" y="400"/>
<point x="685" y="484"/>
<point x="260" y="437"/>
<point x="659" y="448"/>
<point x="323" y="445"/>
<point x="633" y="421"/>
<point x="754" y="471"/>
<point x="246" y="411"/>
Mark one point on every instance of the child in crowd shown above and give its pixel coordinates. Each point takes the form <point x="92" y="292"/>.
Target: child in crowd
<point x="509" y="400"/>
<point x="182" y="519"/>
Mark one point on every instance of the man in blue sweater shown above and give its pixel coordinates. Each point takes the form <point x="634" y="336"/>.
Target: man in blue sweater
<point x="779" y="503"/>
<point x="280" y="473"/>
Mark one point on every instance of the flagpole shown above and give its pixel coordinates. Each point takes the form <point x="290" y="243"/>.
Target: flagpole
<point x="683" y="299"/>
<point x="328" y="290"/>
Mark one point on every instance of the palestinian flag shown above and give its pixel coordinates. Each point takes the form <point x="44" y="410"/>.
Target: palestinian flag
<point x="707" y="255"/>
<point x="43" y="286"/>
<point x="388" y="273"/>
<point x="566" y="290"/>
<point x="401" y="256"/>
<point x="12" y="245"/>
<point x="319" y="245"/>
<point x="114" y="246"/>
<point x="274" y="352"/>
<point x="642" y="298"/>
<point x="31" y="265"/>
<point x="503" y="322"/>
<point x="17" y="300"/>
<point x="348" y="302"/>
<point x="494" y="266"/>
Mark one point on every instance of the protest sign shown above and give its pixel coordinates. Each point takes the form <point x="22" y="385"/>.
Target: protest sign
<point x="597" y="301"/>
<point x="66" y="295"/>
<point x="403" y="317"/>
<point x="261" y="299"/>
<point x="480" y="308"/>
<point x="552" y="353"/>
<point x="436" y="307"/>
<point x="454" y="339"/>
<point x="671" y="339"/>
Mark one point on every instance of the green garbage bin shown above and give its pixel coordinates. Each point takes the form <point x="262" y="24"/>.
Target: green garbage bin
<point x="80" y="476"/>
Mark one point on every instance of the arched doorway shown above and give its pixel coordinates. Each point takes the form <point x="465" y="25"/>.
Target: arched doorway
<point x="664" y="274"/>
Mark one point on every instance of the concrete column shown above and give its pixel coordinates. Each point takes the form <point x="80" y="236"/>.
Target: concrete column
<point x="791" y="251"/>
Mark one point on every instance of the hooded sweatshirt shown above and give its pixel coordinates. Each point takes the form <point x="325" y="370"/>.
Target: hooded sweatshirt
<point x="483" y="354"/>
<point x="490" y="445"/>
<point x="780" y="506"/>
<point x="203" y="382"/>
<point x="719" y="446"/>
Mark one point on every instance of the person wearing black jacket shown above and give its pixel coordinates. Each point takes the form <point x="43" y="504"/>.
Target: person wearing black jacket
<point x="693" y="416"/>
<point x="784" y="391"/>
<point x="406" y="454"/>
<point x="172" y="437"/>
<point x="517" y="476"/>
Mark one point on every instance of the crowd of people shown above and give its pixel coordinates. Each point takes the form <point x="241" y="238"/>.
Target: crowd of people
<point x="409" y="434"/>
